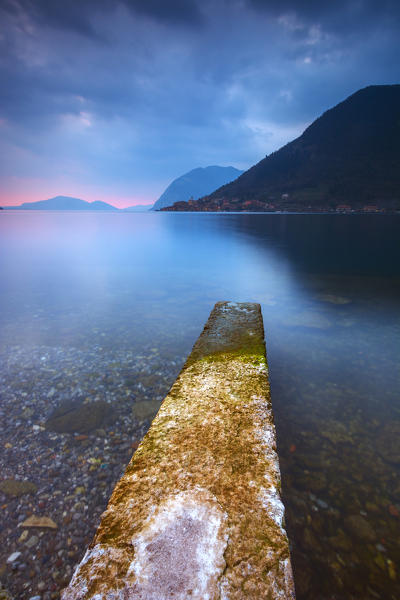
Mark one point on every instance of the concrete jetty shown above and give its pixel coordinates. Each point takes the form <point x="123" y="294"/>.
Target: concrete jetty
<point x="198" y="514"/>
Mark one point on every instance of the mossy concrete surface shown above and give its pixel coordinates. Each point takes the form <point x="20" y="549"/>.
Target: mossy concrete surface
<point x="198" y="512"/>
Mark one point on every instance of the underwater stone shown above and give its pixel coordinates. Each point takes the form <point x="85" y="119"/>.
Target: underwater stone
<point x="78" y="417"/>
<point x="388" y="442"/>
<point x="360" y="527"/>
<point x="198" y="511"/>
<point x="145" y="409"/>
<point x="333" y="299"/>
<point x="37" y="521"/>
<point x="15" y="488"/>
<point x="13" y="557"/>
<point x="307" y="319"/>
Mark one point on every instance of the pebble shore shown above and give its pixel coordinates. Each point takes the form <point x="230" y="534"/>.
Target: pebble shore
<point x="66" y="478"/>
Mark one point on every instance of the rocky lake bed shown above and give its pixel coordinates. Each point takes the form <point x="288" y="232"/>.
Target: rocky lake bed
<point x="71" y="420"/>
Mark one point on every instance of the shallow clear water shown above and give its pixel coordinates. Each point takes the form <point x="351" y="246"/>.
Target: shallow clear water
<point x="106" y="306"/>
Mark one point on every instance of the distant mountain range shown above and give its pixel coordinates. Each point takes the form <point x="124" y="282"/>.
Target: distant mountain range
<point x="195" y="184"/>
<point x="64" y="203"/>
<point x="348" y="159"/>
<point x="69" y="203"/>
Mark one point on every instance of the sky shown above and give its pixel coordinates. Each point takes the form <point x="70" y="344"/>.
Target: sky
<point x="112" y="100"/>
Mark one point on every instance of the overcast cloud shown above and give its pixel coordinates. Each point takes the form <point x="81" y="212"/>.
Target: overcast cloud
<point x="112" y="100"/>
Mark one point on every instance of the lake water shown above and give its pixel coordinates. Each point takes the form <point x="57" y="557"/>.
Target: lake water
<point x="99" y="310"/>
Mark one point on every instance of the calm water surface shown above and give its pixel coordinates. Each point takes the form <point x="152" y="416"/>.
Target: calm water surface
<point x="102" y="308"/>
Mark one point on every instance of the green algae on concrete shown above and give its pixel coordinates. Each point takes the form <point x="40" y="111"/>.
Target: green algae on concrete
<point x="198" y="512"/>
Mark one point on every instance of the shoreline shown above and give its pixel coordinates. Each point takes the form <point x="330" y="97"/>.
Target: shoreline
<point x="210" y="212"/>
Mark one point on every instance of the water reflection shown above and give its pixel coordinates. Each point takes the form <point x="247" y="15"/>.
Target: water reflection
<point x="104" y="307"/>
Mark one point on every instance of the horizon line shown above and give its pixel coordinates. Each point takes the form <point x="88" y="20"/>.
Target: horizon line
<point x="9" y="206"/>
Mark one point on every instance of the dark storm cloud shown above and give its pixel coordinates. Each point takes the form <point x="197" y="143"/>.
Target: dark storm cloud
<point x="340" y="15"/>
<point x="175" y="11"/>
<point x="337" y="15"/>
<point x="78" y="15"/>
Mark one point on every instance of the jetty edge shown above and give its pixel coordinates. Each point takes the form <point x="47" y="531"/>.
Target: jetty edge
<point x="198" y="513"/>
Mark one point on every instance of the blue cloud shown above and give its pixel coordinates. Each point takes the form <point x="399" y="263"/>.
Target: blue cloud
<point x="130" y="95"/>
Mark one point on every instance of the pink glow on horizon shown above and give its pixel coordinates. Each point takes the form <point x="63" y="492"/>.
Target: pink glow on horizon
<point x="17" y="198"/>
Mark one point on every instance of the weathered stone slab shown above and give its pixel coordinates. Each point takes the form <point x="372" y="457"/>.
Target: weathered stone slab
<point x="198" y="512"/>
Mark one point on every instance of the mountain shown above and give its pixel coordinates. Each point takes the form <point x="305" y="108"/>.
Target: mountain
<point x="64" y="203"/>
<point x="195" y="184"/>
<point x="138" y="208"/>
<point x="348" y="159"/>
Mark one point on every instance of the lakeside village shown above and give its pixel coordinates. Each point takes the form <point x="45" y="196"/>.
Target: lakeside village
<point x="284" y="204"/>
